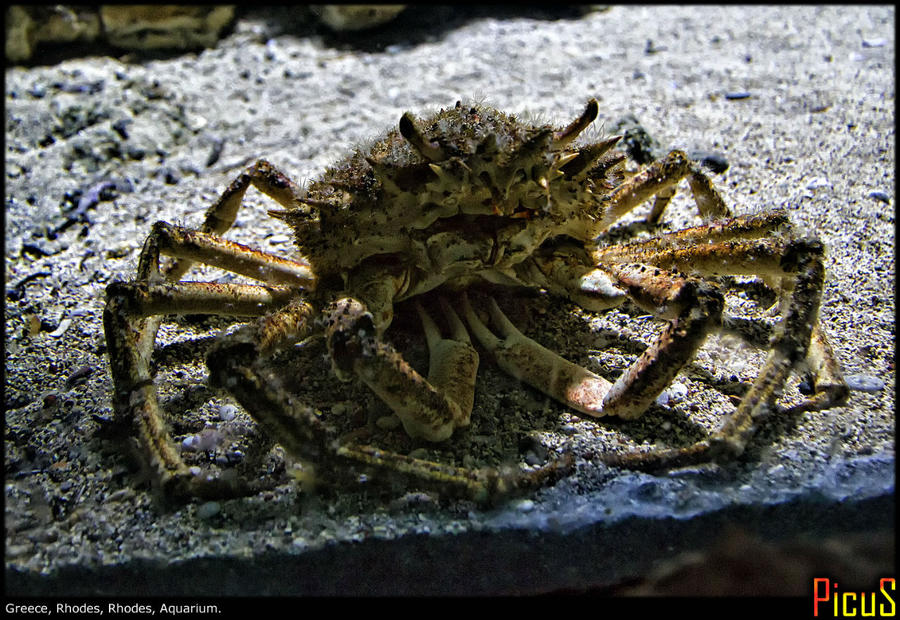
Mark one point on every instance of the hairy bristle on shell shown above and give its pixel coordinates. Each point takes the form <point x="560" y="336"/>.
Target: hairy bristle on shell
<point x="460" y="170"/>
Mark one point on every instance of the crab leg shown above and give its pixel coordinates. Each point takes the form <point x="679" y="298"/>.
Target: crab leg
<point x="741" y="245"/>
<point x="693" y="308"/>
<point x="131" y="318"/>
<point x="772" y="259"/>
<point x="798" y="337"/>
<point x="425" y="410"/>
<point x="481" y="485"/>
<point x="191" y="246"/>
<point x="742" y="227"/>
<point x="234" y="365"/>
<point x="830" y="388"/>
<point x="762" y="257"/>
<point x="526" y="360"/>
<point x="453" y="363"/>
<point x="222" y="214"/>
<point x="133" y="313"/>
<point x="659" y="179"/>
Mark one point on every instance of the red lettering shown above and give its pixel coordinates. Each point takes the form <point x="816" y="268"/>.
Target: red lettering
<point x="816" y="598"/>
<point x="884" y="581"/>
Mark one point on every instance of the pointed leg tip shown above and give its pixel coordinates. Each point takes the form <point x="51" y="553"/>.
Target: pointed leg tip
<point x="457" y="327"/>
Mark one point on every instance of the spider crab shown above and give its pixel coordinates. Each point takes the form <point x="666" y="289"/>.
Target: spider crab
<point x="468" y="195"/>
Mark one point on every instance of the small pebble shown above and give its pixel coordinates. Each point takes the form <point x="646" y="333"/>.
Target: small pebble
<point x="674" y="393"/>
<point x="533" y="459"/>
<point x="388" y="422"/>
<point x="79" y="376"/>
<point x="208" y="510"/>
<point x="280" y="239"/>
<point x="413" y="499"/>
<point x="874" y="42"/>
<point x="716" y="162"/>
<point x="817" y="183"/>
<point x="32" y="324"/>
<point x="526" y="505"/>
<point x="14" y="551"/>
<point x="568" y="429"/>
<point x="61" y="329"/>
<point x="227" y="412"/>
<point x="650" y="48"/>
<point x="864" y="383"/>
<point x="207" y="439"/>
<point x="882" y="196"/>
<point x="120" y="495"/>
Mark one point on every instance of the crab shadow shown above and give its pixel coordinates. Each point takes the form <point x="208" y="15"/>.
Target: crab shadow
<point x="510" y="421"/>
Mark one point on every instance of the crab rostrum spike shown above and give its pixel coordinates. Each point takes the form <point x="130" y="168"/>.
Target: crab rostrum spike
<point x="606" y="164"/>
<point x="428" y="150"/>
<point x="564" y="136"/>
<point x="444" y="177"/>
<point x="588" y="156"/>
<point x="564" y="158"/>
<point x="530" y="151"/>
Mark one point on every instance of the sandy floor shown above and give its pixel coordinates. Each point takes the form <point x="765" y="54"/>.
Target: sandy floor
<point x="799" y="100"/>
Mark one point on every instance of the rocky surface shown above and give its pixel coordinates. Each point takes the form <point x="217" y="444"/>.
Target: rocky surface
<point x="798" y="100"/>
<point x="32" y="30"/>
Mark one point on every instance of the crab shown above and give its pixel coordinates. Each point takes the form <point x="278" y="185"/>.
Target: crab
<point x="469" y="195"/>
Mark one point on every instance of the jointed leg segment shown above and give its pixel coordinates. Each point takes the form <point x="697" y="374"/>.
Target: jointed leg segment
<point x="133" y="313"/>
<point x="427" y="410"/>
<point x="659" y="179"/>
<point x="525" y="359"/>
<point x="693" y="308"/>
<point x="797" y="338"/>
